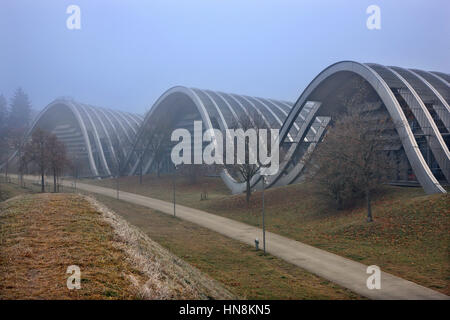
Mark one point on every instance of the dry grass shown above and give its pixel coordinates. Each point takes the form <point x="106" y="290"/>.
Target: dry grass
<point x="9" y="190"/>
<point x="243" y="270"/>
<point x="168" y="276"/>
<point x="409" y="238"/>
<point x="41" y="235"/>
<point x="161" y="188"/>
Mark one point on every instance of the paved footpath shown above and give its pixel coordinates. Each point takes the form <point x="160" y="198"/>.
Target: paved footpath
<point x="343" y="271"/>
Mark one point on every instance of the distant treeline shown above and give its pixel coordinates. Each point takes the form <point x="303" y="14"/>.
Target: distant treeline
<point x="15" y="119"/>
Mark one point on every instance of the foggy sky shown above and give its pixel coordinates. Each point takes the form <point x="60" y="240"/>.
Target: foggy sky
<point x="128" y="53"/>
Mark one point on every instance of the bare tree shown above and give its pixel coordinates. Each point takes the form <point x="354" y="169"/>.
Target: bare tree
<point x="140" y="152"/>
<point x="247" y="169"/>
<point x="158" y="143"/>
<point x="36" y="151"/>
<point x="119" y="164"/>
<point x="57" y="158"/>
<point x="22" y="164"/>
<point x="351" y="162"/>
<point x="140" y="156"/>
<point x="13" y="139"/>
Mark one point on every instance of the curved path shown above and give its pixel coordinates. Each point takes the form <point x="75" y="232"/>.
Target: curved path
<point x="343" y="271"/>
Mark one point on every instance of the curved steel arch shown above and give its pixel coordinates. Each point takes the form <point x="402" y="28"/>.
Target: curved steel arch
<point x="212" y="108"/>
<point x="105" y="134"/>
<point x="303" y="124"/>
<point x="79" y="123"/>
<point x="378" y="80"/>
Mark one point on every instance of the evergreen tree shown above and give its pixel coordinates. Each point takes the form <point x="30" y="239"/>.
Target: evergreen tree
<point x="20" y="113"/>
<point x="3" y="129"/>
<point x="3" y="113"/>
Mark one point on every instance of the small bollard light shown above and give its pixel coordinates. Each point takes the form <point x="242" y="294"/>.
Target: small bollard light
<point x="257" y="244"/>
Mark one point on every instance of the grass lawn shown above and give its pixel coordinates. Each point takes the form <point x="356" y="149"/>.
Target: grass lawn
<point x="10" y="190"/>
<point x="409" y="238"/>
<point x="242" y="269"/>
<point x="42" y="234"/>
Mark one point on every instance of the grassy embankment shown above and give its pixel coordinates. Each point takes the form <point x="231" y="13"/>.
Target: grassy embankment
<point x="41" y="235"/>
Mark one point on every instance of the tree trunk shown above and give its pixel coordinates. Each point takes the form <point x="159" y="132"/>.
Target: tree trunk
<point x="54" y="181"/>
<point x="42" y="181"/>
<point x="339" y="202"/>
<point x="140" y="171"/>
<point x="369" y="207"/>
<point x="248" y="191"/>
<point x="117" y="186"/>
<point x="6" y="169"/>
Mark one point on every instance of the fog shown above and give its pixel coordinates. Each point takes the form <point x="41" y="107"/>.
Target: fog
<point x="126" y="54"/>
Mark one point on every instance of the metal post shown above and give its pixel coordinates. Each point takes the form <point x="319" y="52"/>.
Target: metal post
<point x="140" y="170"/>
<point x="141" y="154"/>
<point x="119" y="171"/>
<point x="117" y="187"/>
<point x="174" y="206"/>
<point x="263" y="220"/>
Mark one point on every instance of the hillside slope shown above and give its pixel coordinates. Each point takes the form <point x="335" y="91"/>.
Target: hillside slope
<point x="41" y="235"/>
